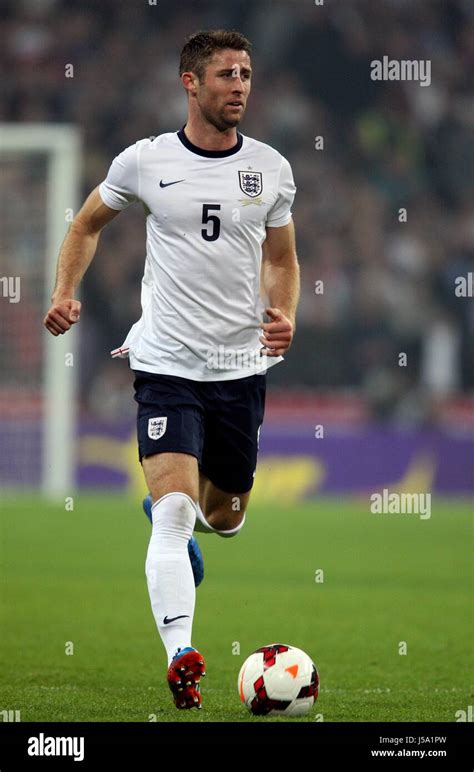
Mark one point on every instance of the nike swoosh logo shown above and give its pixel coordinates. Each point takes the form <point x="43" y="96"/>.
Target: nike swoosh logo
<point x="166" y="621"/>
<point x="166" y="184"/>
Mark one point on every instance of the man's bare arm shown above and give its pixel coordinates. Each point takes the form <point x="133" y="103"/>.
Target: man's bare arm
<point x="281" y="282"/>
<point x="76" y="254"/>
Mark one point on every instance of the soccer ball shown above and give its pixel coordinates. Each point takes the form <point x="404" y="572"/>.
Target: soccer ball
<point x="278" y="680"/>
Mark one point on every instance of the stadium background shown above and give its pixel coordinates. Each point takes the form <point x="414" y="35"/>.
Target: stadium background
<point x="389" y="286"/>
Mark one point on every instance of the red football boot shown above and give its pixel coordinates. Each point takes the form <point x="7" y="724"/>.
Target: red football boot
<point x="184" y="673"/>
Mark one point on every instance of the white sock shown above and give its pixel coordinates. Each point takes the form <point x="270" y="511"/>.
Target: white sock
<point x="168" y="569"/>
<point x="204" y="527"/>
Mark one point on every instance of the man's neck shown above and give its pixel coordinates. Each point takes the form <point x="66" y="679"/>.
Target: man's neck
<point x="207" y="137"/>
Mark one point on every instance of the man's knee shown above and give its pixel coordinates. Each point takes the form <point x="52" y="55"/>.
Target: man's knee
<point x="169" y="472"/>
<point x="223" y="520"/>
<point x="222" y="511"/>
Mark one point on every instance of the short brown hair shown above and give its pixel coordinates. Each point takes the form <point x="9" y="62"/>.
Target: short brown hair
<point x="200" y="47"/>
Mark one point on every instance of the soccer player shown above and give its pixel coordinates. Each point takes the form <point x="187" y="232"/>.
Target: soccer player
<point x="220" y="253"/>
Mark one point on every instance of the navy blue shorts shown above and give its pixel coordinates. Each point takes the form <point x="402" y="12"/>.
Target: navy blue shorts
<point x="216" y="421"/>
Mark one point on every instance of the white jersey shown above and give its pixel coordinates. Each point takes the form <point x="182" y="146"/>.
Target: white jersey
<point x="206" y="217"/>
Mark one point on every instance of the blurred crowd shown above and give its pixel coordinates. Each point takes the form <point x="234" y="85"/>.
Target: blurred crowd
<point x="384" y="207"/>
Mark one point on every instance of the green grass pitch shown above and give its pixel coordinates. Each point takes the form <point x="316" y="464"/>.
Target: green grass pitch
<point x="78" y="576"/>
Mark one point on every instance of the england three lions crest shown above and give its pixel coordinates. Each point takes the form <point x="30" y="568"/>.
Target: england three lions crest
<point x="157" y="427"/>
<point x="251" y="183"/>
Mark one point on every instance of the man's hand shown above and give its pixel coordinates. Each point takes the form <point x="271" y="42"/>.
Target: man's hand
<point x="61" y="316"/>
<point x="278" y="333"/>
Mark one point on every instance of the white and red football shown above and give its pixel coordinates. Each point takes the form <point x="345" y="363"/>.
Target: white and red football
<point x="278" y="679"/>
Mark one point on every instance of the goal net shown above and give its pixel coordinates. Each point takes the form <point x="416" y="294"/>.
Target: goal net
<point x="39" y="171"/>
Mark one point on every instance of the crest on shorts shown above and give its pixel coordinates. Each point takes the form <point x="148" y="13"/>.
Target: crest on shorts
<point x="251" y="183"/>
<point x="157" y="427"/>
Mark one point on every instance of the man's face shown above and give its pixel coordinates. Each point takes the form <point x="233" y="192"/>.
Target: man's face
<point x="222" y="94"/>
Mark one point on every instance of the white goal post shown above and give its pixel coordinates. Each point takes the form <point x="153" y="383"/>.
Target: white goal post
<point x="59" y="146"/>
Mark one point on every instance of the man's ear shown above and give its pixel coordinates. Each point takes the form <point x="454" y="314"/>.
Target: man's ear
<point x="190" y="81"/>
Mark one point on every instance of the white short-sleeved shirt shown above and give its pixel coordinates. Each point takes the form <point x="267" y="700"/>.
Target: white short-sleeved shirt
<point x="206" y="217"/>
